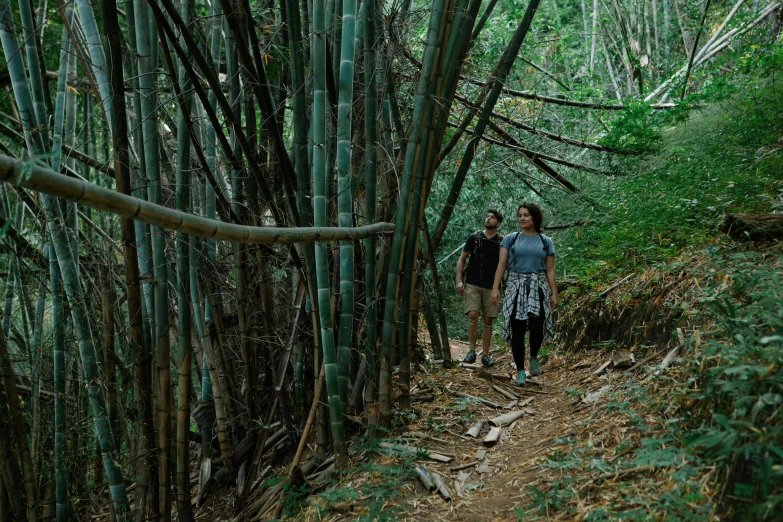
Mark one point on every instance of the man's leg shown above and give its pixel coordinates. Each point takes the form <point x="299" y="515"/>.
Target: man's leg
<point x="472" y="307"/>
<point x="486" y="333"/>
<point x="488" y="313"/>
<point x="470" y="357"/>
<point x="473" y="316"/>
<point x="486" y="337"/>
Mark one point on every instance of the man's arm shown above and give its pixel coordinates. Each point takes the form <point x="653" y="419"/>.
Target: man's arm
<point x="460" y="269"/>
<point x="494" y="296"/>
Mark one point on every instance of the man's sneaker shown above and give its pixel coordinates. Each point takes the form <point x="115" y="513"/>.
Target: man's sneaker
<point x="535" y="367"/>
<point x="470" y="357"/>
<point x="487" y="361"/>
<point x="520" y="380"/>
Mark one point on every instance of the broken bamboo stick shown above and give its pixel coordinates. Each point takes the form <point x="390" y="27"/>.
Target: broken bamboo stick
<point x="475" y="430"/>
<point x="442" y="489"/>
<point x="485" y="402"/>
<point x="507" y="418"/>
<point x="424" y="478"/>
<point x="493" y="436"/>
<point x="504" y="393"/>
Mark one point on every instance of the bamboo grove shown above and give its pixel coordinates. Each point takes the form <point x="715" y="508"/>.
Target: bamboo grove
<point x="213" y="220"/>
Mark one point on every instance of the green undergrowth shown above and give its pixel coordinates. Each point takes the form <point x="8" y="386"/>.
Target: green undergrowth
<point x="703" y="439"/>
<point x="724" y="158"/>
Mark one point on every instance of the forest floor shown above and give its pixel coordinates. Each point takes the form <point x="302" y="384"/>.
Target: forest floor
<point x="518" y="477"/>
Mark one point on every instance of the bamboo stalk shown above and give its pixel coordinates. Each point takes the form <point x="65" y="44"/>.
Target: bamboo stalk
<point x="91" y="195"/>
<point x="345" y="198"/>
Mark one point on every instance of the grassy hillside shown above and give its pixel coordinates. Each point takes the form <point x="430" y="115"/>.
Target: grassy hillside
<point x="713" y="422"/>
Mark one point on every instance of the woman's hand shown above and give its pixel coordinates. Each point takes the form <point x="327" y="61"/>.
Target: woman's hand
<point x="460" y="288"/>
<point x="552" y="301"/>
<point x="494" y="297"/>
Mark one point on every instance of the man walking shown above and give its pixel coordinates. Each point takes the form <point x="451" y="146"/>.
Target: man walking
<point x="483" y="249"/>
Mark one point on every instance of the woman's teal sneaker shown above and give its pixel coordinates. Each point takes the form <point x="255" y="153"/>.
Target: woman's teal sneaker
<point x="470" y="357"/>
<point x="535" y="367"/>
<point x="520" y="380"/>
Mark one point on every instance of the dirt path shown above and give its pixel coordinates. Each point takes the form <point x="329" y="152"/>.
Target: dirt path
<point x="502" y="473"/>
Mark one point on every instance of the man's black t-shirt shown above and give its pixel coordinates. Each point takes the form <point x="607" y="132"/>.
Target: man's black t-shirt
<point x="483" y="261"/>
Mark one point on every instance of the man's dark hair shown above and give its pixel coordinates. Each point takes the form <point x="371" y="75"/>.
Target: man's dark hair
<point x="535" y="213"/>
<point x="497" y="213"/>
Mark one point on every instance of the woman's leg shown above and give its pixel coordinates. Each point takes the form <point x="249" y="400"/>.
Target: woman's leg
<point x="536" y="325"/>
<point x="518" y="342"/>
<point x="536" y="334"/>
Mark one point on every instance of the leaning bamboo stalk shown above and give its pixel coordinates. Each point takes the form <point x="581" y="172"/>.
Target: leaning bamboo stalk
<point x="68" y="268"/>
<point x="710" y="49"/>
<point x="421" y="101"/>
<point x="94" y="196"/>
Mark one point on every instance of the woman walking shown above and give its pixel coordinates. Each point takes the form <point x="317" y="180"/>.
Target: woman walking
<point x="531" y="292"/>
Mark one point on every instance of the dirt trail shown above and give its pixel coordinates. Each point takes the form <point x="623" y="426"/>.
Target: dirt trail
<point x="506" y="470"/>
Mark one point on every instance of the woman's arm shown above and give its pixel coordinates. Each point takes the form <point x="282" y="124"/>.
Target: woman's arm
<point x="550" y="277"/>
<point x="494" y="297"/>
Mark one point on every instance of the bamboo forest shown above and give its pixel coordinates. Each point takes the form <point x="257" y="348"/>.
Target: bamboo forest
<point x="232" y="243"/>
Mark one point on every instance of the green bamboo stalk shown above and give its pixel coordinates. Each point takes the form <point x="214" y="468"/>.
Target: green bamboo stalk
<point x="300" y="139"/>
<point x="182" y="196"/>
<point x="504" y="67"/>
<point x="60" y="433"/>
<point x="147" y="54"/>
<point x="370" y="196"/>
<point x="13" y="57"/>
<point x="345" y="199"/>
<point x="34" y="66"/>
<point x="97" y="57"/>
<point x="411" y="248"/>
<point x="320" y="176"/>
<point x="65" y="259"/>
<point x="432" y="327"/>
<point x="421" y="101"/>
<point x="135" y="252"/>
<point x="430" y="254"/>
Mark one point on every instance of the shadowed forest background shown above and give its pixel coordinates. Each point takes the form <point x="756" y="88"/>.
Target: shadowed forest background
<point x="229" y="231"/>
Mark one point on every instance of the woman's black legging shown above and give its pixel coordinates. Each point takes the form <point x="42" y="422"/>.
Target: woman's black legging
<point x="518" y="328"/>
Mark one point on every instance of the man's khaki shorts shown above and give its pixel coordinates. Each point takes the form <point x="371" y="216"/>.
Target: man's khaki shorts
<point x="477" y="298"/>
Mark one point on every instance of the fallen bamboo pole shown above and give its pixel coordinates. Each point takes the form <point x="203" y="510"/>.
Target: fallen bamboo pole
<point x="504" y="393"/>
<point x="493" y="436"/>
<point x="485" y="402"/>
<point x="507" y="418"/>
<point x="475" y="430"/>
<point x="30" y="176"/>
<point x="424" y="478"/>
<point x="442" y="489"/>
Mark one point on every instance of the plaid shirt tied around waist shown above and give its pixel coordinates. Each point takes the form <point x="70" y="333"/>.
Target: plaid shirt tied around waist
<point x="527" y="294"/>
